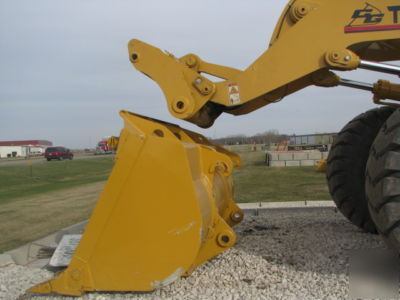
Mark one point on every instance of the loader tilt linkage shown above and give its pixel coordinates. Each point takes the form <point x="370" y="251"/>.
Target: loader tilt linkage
<point x="382" y="89"/>
<point x="300" y="50"/>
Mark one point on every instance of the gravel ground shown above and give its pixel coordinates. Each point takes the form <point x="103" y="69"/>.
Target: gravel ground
<point x="275" y="258"/>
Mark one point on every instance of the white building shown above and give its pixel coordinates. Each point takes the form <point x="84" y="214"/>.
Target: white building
<point x="23" y="148"/>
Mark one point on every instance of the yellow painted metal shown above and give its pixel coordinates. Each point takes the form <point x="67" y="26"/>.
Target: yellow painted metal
<point x="112" y="142"/>
<point x="166" y="208"/>
<point x="384" y="89"/>
<point x="322" y="165"/>
<point x="170" y="74"/>
<point x="311" y="36"/>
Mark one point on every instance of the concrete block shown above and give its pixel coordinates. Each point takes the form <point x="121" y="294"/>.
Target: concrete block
<point x="285" y="156"/>
<point x="315" y="155"/>
<point x="300" y="155"/>
<point x="292" y="163"/>
<point x="307" y="163"/>
<point x="5" y="260"/>
<point x="325" y="154"/>
<point x="277" y="163"/>
<point x="274" y="156"/>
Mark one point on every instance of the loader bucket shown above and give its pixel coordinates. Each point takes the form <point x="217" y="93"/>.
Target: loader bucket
<point x="166" y="208"/>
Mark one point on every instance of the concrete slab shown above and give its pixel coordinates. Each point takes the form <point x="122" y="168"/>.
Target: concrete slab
<point x="277" y="163"/>
<point x="293" y="212"/>
<point x="282" y="209"/>
<point x="291" y="204"/>
<point x="5" y="260"/>
<point x="285" y="156"/>
<point x="292" y="163"/>
<point x="30" y="254"/>
<point x="300" y="156"/>
<point x="307" y="163"/>
<point x="315" y="155"/>
<point x="273" y="156"/>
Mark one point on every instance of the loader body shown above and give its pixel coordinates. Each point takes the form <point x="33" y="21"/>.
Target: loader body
<point x="168" y="204"/>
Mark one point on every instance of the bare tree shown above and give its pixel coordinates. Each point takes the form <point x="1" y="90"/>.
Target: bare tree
<point x="267" y="137"/>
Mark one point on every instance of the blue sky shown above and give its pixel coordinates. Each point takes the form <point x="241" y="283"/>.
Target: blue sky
<point x="65" y="72"/>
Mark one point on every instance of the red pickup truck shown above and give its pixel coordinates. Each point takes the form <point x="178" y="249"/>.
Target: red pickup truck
<point x="58" y="153"/>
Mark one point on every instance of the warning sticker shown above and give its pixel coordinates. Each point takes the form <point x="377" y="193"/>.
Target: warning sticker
<point x="233" y="92"/>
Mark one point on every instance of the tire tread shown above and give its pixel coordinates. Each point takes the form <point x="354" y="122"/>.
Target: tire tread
<point x="346" y="166"/>
<point x="383" y="181"/>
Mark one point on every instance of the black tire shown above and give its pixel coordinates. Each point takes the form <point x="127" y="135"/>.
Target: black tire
<point x="346" y="166"/>
<point x="383" y="181"/>
<point x="48" y="159"/>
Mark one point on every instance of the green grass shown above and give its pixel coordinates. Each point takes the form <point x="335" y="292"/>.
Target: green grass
<point x="19" y="180"/>
<point x="255" y="182"/>
<point x="57" y="194"/>
<point x="61" y="193"/>
<point x="29" y="218"/>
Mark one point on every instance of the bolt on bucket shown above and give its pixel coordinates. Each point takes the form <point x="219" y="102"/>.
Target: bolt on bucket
<point x="166" y="208"/>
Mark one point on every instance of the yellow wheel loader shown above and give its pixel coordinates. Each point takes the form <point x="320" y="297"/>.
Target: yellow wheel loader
<point x="112" y="143"/>
<point x="167" y="206"/>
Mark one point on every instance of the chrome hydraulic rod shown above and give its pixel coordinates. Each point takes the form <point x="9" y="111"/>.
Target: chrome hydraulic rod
<point x="356" y="84"/>
<point x="379" y="67"/>
<point x="382" y="89"/>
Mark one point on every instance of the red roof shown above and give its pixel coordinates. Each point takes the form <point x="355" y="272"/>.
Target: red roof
<point x="26" y="143"/>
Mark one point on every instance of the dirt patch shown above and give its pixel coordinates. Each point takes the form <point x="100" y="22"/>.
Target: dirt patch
<point x="30" y="218"/>
<point x="318" y="188"/>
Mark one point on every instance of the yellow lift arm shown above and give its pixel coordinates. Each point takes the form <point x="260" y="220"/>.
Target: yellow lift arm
<point x="311" y="38"/>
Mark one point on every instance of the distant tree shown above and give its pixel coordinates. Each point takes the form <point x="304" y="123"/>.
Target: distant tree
<point x="267" y="137"/>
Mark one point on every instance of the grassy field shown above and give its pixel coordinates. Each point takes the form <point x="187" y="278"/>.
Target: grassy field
<point x="54" y="195"/>
<point x="60" y="193"/>
<point x="29" y="218"/>
<point x="255" y="182"/>
<point x="22" y="180"/>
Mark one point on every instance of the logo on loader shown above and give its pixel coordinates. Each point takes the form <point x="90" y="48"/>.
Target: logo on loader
<point x="369" y="19"/>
